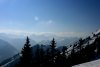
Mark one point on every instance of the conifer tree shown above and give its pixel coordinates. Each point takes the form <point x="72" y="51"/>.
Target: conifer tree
<point x="26" y="55"/>
<point x="80" y="44"/>
<point x="64" y="50"/>
<point x="53" y="47"/>
<point x="97" y="42"/>
<point x="42" y="53"/>
<point x="53" y="51"/>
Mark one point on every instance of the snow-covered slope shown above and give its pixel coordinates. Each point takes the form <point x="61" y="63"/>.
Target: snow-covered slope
<point x="12" y="62"/>
<point x="89" y="40"/>
<point x="95" y="63"/>
<point x="97" y="32"/>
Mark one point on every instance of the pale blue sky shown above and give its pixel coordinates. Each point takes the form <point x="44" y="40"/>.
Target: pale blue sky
<point x="50" y="15"/>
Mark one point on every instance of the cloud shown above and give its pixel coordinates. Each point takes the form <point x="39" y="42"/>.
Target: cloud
<point x="50" y="21"/>
<point x="59" y="34"/>
<point x="72" y="34"/>
<point x="47" y="22"/>
<point x="36" y="18"/>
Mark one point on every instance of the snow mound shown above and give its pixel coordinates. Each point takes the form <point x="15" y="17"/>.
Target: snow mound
<point x="95" y="63"/>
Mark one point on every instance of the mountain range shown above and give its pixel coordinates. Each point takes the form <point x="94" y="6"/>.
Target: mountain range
<point x="19" y="41"/>
<point x="6" y="50"/>
<point x="60" y="42"/>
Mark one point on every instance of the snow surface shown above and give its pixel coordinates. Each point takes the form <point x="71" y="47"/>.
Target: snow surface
<point x="95" y="63"/>
<point x="97" y="32"/>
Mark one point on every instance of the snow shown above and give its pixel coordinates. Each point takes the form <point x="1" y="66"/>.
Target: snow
<point x="91" y="41"/>
<point x="7" y="63"/>
<point x="97" y="32"/>
<point x="13" y="61"/>
<point x="95" y="63"/>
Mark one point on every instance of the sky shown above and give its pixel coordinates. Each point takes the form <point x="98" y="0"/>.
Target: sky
<point x="64" y="17"/>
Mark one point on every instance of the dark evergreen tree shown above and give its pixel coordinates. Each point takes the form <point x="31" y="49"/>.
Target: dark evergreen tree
<point x="26" y="55"/>
<point x="72" y="57"/>
<point x="37" y="57"/>
<point x="53" y="45"/>
<point x="80" y="44"/>
<point x="47" y="58"/>
<point x="90" y="52"/>
<point x="97" y="42"/>
<point x="42" y="56"/>
<point x="53" y="52"/>
<point x="58" y="60"/>
<point x="64" y="49"/>
<point x="64" y="57"/>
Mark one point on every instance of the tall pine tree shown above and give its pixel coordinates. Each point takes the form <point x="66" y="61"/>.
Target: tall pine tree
<point x="26" y="55"/>
<point x="53" y="51"/>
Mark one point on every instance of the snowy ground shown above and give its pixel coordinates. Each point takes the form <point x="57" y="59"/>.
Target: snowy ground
<point x="95" y="63"/>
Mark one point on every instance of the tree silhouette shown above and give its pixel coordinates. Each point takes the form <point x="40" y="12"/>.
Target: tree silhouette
<point x="47" y="58"/>
<point x="64" y="50"/>
<point x="80" y="44"/>
<point x="61" y="58"/>
<point x="97" y="42"/>
<point x="42" y="54"/>
<point x="37" y="56"/>
<point x="53" y="45"/>
<point x="26" y="55"/>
